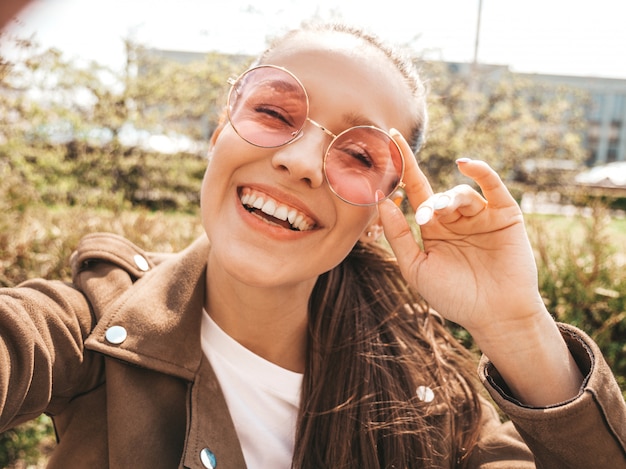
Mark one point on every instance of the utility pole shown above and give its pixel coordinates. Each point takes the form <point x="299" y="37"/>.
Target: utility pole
<point x="477" y="39"/>
<point x="473" y="72"/>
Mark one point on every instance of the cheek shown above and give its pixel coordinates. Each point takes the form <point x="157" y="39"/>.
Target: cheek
<point x="212" y="193"/>
<point x="346" y="235"/>
<point x="222" y="162"/>
<point x="356" y="220"/>
<point x="205" y="199"/>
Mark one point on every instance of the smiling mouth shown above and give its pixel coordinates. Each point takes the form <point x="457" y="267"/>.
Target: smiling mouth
<point x="275" y="212"/>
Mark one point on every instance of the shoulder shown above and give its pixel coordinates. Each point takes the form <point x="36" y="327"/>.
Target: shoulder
<point x="115" y="250"/>
<point x="105" y="265"/>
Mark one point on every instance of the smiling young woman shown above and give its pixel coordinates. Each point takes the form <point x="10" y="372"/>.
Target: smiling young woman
<point x="287" y="336"/>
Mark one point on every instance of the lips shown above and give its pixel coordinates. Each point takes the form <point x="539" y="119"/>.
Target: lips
<point x="274" y="211"/>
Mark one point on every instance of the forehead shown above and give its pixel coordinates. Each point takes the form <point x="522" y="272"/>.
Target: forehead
<point x="337" y="50"/>
<point x="339" y="66"/>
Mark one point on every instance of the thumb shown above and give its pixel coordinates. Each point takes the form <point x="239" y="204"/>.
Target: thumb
<point x="400" y="238"/>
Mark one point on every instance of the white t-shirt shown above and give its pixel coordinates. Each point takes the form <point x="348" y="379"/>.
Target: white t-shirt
<point x="263" y="398"/>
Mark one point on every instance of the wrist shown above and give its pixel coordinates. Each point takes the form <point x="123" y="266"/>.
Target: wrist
<point x="533" y="359"/>
<point x="515" y="333"/>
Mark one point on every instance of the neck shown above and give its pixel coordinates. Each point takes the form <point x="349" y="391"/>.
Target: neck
<point x="272" y="321"/>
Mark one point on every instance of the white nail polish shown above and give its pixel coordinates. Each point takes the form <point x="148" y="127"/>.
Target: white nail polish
<point x="442" y="202"/>
<point x="423" y="215"/>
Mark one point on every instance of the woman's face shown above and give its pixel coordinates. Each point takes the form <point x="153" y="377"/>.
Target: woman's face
<point x="348" y="84"/>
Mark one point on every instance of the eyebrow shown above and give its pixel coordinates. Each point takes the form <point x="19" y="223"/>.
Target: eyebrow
<point x="354" y="119"/>
<point x="282" y="85"/>
<point x="351" y="119"/>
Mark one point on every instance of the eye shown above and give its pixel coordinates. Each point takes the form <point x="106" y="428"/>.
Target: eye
<point x="353" y="153"/>
<point x="360" y="155"/>
<point x="273" y="113"/>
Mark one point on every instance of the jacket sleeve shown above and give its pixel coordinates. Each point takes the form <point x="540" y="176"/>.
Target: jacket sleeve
<point x="587" y="431"/>
<point x="42" y="328"/>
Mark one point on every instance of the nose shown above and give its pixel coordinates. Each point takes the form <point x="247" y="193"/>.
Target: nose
<point x="303" y="158"/>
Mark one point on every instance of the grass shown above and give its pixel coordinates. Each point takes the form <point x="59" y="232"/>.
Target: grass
<point x="575" y="228"/>
<point x="39" y="240"/>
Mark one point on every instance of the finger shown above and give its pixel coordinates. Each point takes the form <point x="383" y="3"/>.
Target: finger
<point x="416" y="184"/>
<point x="460" y="201"/>
<point x="400" y="237"/>
<point x="488" y="180"/>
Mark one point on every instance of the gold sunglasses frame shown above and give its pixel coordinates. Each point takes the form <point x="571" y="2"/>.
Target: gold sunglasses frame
<point x="300" y="132"/>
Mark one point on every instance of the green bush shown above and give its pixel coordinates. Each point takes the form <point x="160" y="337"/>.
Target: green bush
<point x="26" y="443"/>
<point x="113" y="177"/>
<point x="582" y="279"/>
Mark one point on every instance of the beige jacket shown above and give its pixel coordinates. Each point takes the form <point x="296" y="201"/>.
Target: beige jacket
<point x="115" y="359"/>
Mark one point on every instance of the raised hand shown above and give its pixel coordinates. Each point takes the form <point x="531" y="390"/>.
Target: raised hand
<point x="477" y="268"/>
<point x="476" y="265"/>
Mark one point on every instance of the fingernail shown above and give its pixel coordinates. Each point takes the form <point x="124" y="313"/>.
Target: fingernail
<point x="463" y="160"/>
<point x="380" y="195"/>
<point x="442" y="202"/>
<point x="423" y="215"/>
<point x="397" y="197"/>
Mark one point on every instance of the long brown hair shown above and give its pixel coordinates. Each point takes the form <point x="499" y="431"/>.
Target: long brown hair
<point x="375" y="352"/>
<point x="373" y="346"/>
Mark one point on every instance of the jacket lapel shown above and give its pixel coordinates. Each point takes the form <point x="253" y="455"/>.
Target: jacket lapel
<point x="155" y="321"/>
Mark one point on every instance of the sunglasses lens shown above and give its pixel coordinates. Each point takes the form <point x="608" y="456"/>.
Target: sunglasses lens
<point x="267" y="106"/>
<point x="362" y="161"/>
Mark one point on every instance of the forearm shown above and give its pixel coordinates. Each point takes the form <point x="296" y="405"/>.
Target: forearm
<point x="587" y="431"/>
<point x="40" y="337"/>
<point x="534" y="361"/>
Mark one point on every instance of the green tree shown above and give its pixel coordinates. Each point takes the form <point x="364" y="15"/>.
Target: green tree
<point x="492" y="114"/>
<point x="63" y="126"/>
<point x="179" y="94"/>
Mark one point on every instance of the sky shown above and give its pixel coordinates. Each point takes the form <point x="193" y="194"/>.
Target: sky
<point x="563" y="37"/>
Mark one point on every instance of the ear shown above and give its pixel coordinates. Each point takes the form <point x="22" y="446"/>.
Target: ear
<point x="216" y="133"/>
<point x="373" y="231"/>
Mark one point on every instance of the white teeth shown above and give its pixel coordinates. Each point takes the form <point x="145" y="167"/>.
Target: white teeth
<point x="276" y="210"/>
<point x="281" y="212"/>
<point x="291" y="216"/>
<point x="269" y="207"/>
<point x="258" y="203"/>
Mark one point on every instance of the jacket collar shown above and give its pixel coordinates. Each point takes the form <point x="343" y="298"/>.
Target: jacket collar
<point x="155" y="322"/>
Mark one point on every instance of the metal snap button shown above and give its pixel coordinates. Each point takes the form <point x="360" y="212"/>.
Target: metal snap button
<point x="141" y="262"/>
<point x="425" y="394"/>
<point x="208" y="458"/>
<point x="116" y="334"/>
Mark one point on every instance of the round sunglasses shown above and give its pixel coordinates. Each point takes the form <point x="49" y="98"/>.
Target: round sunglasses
<point x="268" y="107"/>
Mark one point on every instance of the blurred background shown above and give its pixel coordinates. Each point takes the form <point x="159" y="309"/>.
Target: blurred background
<point x="106" y="109"/>
<point x="557" y="37"/>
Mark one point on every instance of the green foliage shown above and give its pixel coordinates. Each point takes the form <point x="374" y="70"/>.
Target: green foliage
<point x="107" y="176"/>
<point x="582" y="280"/>
<point x="497" y="116"/>
<point x="26" y="443"/>
<point x="38" y="241"/>
<point x="177" y="95"/>
<point x="45" y="96"/>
